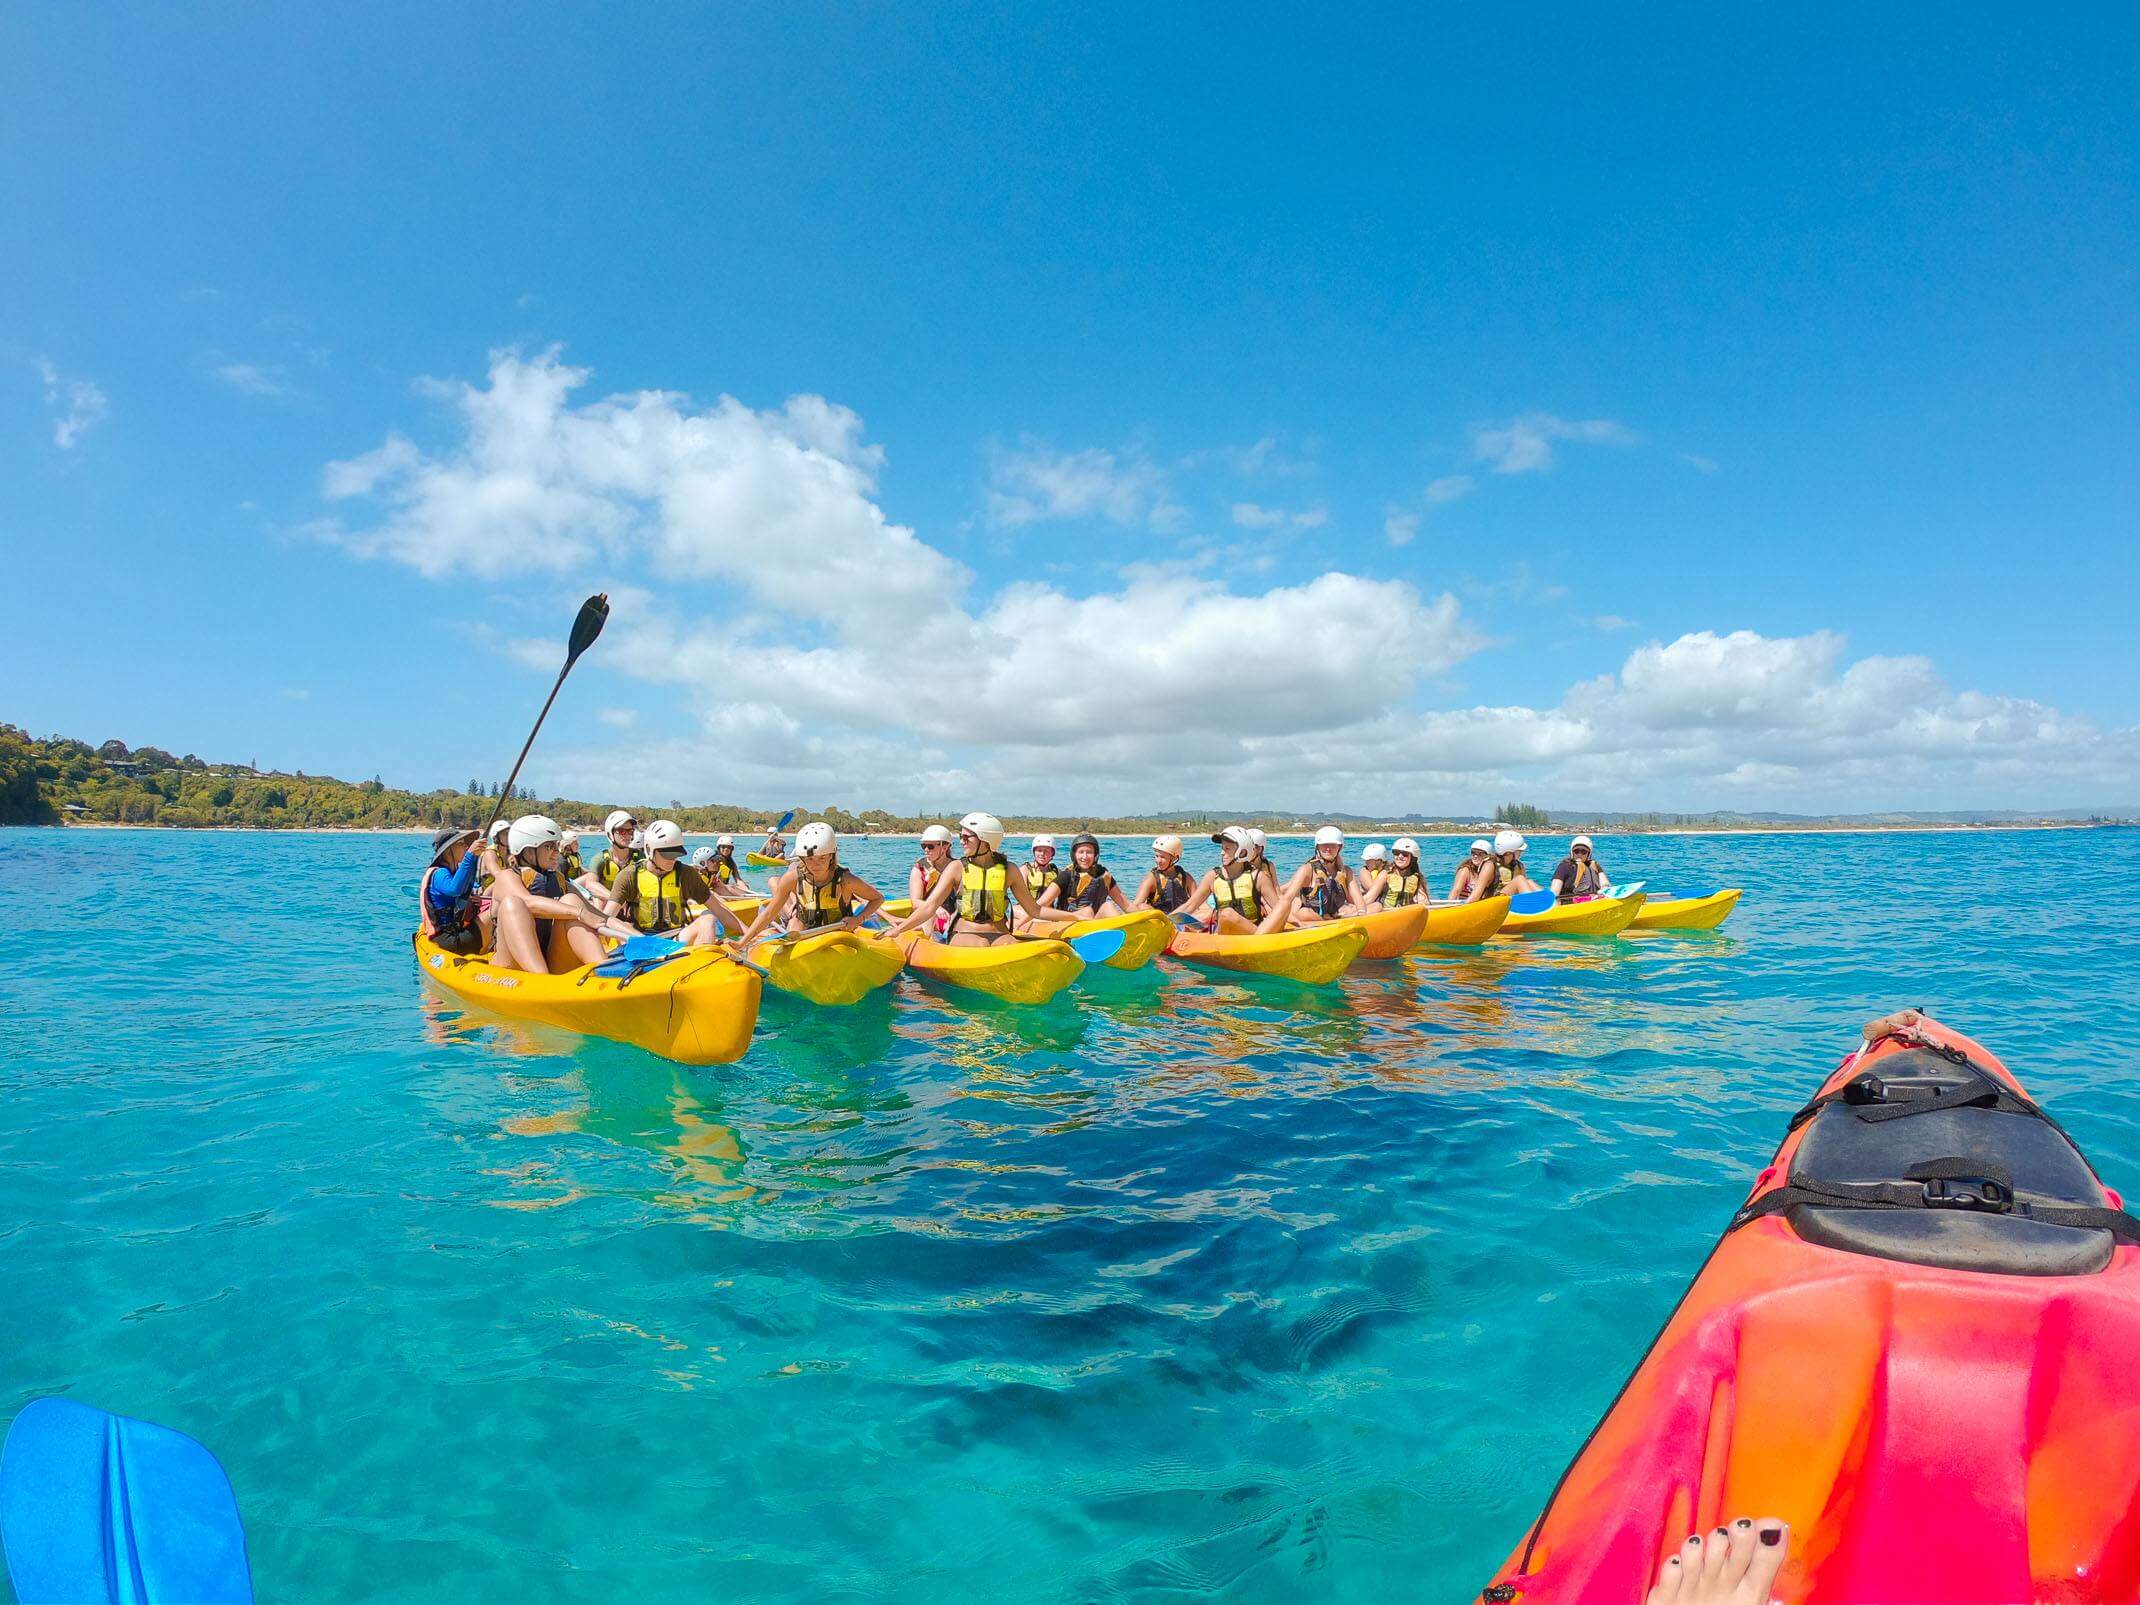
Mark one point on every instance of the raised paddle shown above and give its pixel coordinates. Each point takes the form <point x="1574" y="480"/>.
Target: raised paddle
<point x="97" y="1507"/>
<point x="593" y="614"/>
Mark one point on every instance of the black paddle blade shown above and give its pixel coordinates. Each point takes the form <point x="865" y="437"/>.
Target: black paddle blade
<point x="594" y="613"/>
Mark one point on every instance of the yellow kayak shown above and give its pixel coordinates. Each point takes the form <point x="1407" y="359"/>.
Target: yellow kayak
<point x="1145" y="935"/>
<point x="1464" y="924"/>
<point x="1017" y="972"/>
<point x="831" y="967"/>
<point x="760" y="861"/>
<point x="700" y="1009"/>
<point x="1391" y="932"/>
<point x="1596" y="916"/>
<point x="1687" y="913"/>
<point x="1316" y="954"/>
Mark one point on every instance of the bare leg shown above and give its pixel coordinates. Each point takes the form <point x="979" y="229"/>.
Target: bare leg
<point x="575" y="945"/>
<point x="519" y="938"/>
<point x="1733" y="1565"/>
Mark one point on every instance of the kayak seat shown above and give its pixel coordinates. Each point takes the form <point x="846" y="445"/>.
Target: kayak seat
<point x="1839" y="1145"/>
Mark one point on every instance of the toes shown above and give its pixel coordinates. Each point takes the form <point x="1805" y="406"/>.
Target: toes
<point x="1668" y="1580"/>
<point x="1771" y="1543"/>
<point x="1743" y="1544"/>
<point x="1716" y="1557"/>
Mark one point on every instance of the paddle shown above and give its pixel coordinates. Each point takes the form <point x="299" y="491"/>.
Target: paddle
<point x="593" y="614"/>
<point x="1530" y="902"/>
<point x="95" y="1506"/>
<point x="1094" y="947"/>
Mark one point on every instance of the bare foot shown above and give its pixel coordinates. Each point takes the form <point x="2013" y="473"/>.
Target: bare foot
<point x="1733" y="1565"/>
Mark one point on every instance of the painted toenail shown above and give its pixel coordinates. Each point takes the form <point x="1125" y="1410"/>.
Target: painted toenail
<point x="1694" y="1541"/>
<point x="1772" y="1536"/>
<point x="1744" y="1521"/>
<point x="1723" y="1532"/>
<point x="1674" y="1561"/>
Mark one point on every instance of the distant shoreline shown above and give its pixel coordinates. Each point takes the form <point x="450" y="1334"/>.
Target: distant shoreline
<point x="1440" y="834"/>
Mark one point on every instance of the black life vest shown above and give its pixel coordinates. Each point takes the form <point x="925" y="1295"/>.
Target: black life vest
<point x="1172" y="888"/>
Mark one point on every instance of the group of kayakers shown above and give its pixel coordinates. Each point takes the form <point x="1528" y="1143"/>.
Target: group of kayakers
<point x="522" y="894"/>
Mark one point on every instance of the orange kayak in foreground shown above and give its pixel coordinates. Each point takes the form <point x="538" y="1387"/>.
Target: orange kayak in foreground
<point x="1915" y="1343"/>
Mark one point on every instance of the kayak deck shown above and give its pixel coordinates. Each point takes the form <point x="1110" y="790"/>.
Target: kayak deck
<point x="699" y="1009"/>
<point x="1596" y="916"/>
<point x="1463" y="924"/>
<point x="1017" y="972"/>
<point x="1391" y="932"/>
<point x="834" y="968"/>
<point x="1315" y="954"/>
<point x="1703" y="913"/>
<point x="1145" y="935"/>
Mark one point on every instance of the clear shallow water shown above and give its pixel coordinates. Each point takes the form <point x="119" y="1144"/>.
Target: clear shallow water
<point x="1176" y="1288"/>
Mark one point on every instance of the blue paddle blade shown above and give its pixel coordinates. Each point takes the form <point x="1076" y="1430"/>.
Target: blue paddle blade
<point x="1530" y="902"/>
<point x="784" y="818"/>
<point x="96" y="1507"/>
<point x="1097" y="947"/>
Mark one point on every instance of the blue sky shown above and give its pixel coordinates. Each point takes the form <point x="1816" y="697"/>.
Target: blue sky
<point x="1202" y="406"/>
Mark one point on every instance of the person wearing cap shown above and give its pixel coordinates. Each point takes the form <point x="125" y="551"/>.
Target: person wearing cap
<point x="1041" y="870"/>
<point x="1399" y="883"/>
<point x="930" y="866"/>
<point x="816" y="892"/>
<point x="622" y="830"/>
<point x="1580" y="875"/>
<point x="1324" y="888"/>
<point x="989" y="890"/>
<point x="657" y="894"/>
<point x="1475" y="874"/>
<point x="1243" y="895"/>
<point x="446" y="897"/>
<point x="545" y="924"/>
<point x="1086" y="888"/>
<point x="1166" y="885"/>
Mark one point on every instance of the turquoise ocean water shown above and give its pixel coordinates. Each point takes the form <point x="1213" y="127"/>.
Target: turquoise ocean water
<point x="1175" y="1288"/>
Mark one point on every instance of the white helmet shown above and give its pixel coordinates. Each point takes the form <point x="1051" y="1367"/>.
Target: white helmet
<point x="532" y="830"/>
<point x="1371" y="852"/>
<point x="617" y="820"/>
<point x="1509" y="841"/>
<point x="936" y="833"/>
<point x="663" y="836"/>
<point x="1235" y="834"/>
<point x="1257" y="839"/>
<point x="725" y="841"/>
<point x="1580" y="841"/>
<point x="1330" y="836"/>
<point x="1170" y="845"/>
<point x="814" y="838"/>
<point x="1405" y="844"/>
<point x="1482" y="845"/>
<point x="499" y="828"/>
<point x="986" y="826"/>
<point x="701" y="857"/>
<point x="1043" y="840"/>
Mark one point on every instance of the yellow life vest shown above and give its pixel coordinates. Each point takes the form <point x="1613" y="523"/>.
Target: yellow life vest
<point x="985" y="892"/>
<point x="568" y="863"/>
<point x="660" y="906"/>
<point x="724" y="871"/>
<point x="1041" y="876"/>
<point x="607" y="869"/>
<point x="1398" y="890"/>
<point x="1239" y="893"/>
<point x="821" y="905"/>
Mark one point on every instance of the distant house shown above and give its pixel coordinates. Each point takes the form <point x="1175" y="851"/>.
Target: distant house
<point x="77" y="809"/>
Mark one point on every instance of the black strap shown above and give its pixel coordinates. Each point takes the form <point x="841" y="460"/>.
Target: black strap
<point x="1970" y="1186"/>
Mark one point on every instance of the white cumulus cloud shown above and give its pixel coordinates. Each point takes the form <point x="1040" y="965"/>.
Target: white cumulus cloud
<point x="764" y="597"/>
